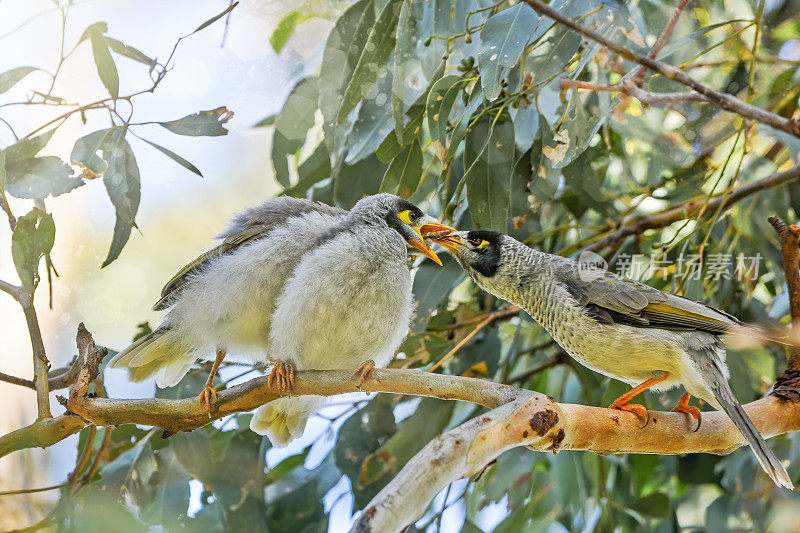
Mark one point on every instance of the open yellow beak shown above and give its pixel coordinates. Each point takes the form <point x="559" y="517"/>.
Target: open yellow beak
<point x="451" y="242"/>
<point x="423" y="230"/>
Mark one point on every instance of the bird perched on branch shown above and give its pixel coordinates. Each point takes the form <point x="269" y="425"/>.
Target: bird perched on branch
<point x="618" y="327"/>
<point x="299" y="283"/>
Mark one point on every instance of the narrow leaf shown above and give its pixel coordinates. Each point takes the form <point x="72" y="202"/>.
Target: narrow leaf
<point x="175" y="157"/>
<point x="440" y="102"/>
<point x="129" y="52"/>
<point x="11" y="77"/>
<point x="404" y="172"/>
<point x="123" y="186"/>
<point x="106" y="68"/>
<point x="27" y="148"/>
<point x="32" y="238"/>
<point x="285" y="28"/>
<point x="402" y="54"/>
<point x="203" y="123"/>
<point x="215" y="18"/>
<point x="374" y="55"/>
<point x="86" y="151"/>
<point x="488" y="158"/>
<point x="95" y="27"/>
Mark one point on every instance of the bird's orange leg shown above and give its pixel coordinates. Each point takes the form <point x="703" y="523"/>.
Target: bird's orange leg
<point x="283" y="375"/>
<point x="209" y="390"/>
<point x="363" y="371"/>
<point x="622" y="404"/>
<point x="684" y="407"/>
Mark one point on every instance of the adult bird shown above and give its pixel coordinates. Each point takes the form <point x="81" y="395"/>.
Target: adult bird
<point x="617" y="327"/>
<point x="297" y="283"/>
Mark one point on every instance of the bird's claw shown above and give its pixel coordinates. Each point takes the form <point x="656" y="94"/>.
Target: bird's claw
<point x="363" y="371"/>
<point x="684" y="407"/>
<point x="205" y="397"/>
<point x="283" y="375"/>
<point x="635" y="408"/>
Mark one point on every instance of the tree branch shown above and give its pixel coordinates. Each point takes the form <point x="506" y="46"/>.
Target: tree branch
<point x="662" y="39"/>
<point x="719" y="99"/>
<point x="685" y="210"/>
<point x="60" y="378"/>
<point x="41" y="365"/>
<point x="787" y="385"/>
<point x="536" y="421"/>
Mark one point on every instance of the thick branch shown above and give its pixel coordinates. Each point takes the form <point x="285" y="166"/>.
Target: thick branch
<point x="722" y="100"/>
<point x="536" y="421"/>
<point x="690" y="208"/>
<point x="41" y="434"/>
<point x="787" y="385"/>
<point x="40" y="363"/>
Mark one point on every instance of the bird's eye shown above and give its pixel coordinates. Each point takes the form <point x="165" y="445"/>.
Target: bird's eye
<point x="475" y="241"/>
<point x="413" y="217"/>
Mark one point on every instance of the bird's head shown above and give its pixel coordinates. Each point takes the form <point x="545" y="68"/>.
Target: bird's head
<point x="476" y="251"/>
<point x="404" y="217"/>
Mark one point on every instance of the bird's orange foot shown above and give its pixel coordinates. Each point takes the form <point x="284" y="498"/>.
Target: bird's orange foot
<point x="363" y="371"/>
<point x="637" y="409"/>
<point x="684" y="407"/>
<point x="205" y="397"/>
<point x="283" y="376"/>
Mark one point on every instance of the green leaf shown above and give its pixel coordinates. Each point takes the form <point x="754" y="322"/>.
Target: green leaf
<point x="106" y="68"/>
<point x="374" y="55"/>
<point x="353" y="182"/>
<point x="86" y="151"/>
<point x="203" y="123"/>
<point x="40" y="177"/>
<point x="129" y="52"/>
<point x="2" y="172"/>
<point x="32" y="238"/>
<point x="291" y="126"/>
<point x="130" y="473"/>
<point x="215" y="18"/>
<point x="526" y="125"/>
<point x="314" y="169"/>
<point x="655" y="505"/>
<point x="287" y="465"/>
<point x="286" y="27"/>
<point x="432" y="284"/>
<point x="460" y="128"/>
<point x="440" y="102"/>
<point x="266" y="122"/>
<point x="488" y="158"/>
<point x="169" y="498"/>
<point x="405" y="38"/>
<point x="175" y="157"/>
<point x="504" y="36"/>
<point x="123" y="186"/>
<point x="373" y="123"/>
<point x="340" y="56"/>
<point x="11" y="77"/>
<point x="404" y="172"/>
<point x="95" y="27"/>
<point x="27" y="148"/>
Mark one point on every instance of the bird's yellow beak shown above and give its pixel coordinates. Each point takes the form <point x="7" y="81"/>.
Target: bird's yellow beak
<point x="449" y="240"/>
<point x="422" y="230"/>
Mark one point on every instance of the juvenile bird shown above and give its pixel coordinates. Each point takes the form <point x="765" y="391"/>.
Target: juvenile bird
<point x="617" y="327"/>
<point x="298" y="283"/>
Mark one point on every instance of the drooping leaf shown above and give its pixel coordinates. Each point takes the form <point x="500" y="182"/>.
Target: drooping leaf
<point x="405" y="38"/>
<point x="404" y="172"/>
<point x="98" y="27"/>
<point x="215" y="18"/>
<point x="460" y="128"/>
<point x="40" y="177"/>
<point x="374" y="55"/>
<point x="655" y="505"/>
<point x="175" y="157"/>
<point x="353" y="182"/>
<point x="130" y="473"/>
<point x="440" y="102"/>
<point x="32" y="239"/>
<point x="341" y="54"/>
<point x="292" y="125"/>
<point x="203" y="123"/>
<point x="432" y="284"/>
<point x="11" y="77"/>
<point x="488" y="159"/>
<point x="286" y="27"/>
<point x="373" y="123"/>
<point x="106" y="68"/>
<point x="129" y="52"/>
<point x="504" y="37"/>
<point x="314" y="169"/>
<point x="526" y="125"/>
<point x="169" y="500"/>
<point x="123" y="186"/>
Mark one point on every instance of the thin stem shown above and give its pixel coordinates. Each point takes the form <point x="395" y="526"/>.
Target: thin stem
<point x="30" y="491"/>
<point x="40" y="363"/>
<point x="662" y="39"/>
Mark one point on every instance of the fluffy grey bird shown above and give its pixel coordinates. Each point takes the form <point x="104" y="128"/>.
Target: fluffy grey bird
<point x="301" y="284"/>
<point x="617" y="327"/>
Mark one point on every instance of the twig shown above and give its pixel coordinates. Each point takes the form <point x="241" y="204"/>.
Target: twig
<point x="485" y="322"/>
<point x="555" y="359"/>
<point x="40" y="362"/>
<point x="662" y="39"/>
<point x="722" y="100"/>
<point x="12" y="222"/>
<point x="630" y="88"/>
<point x="13" y="290"/>
<point x="787" y="385"/>
<point x="688" y="209"/>
<point x="84" y="457"/>
<point x="60" y="378"/>
<point x="31" y="491"/>
<point x="497" y="314"/>
<point x="101" y="451"/>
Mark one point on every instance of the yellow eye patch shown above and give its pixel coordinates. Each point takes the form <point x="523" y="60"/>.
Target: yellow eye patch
<point x="482" y="244"/>
<point x="405" y="216"/>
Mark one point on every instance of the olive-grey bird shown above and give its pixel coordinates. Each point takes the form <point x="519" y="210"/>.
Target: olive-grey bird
<point x="297" y="283"/>
<point x="618" y="327"/>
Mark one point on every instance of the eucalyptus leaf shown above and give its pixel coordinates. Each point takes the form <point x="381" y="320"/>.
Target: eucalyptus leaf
<point x="286" y="27"/>
<point x="106" y="68"/>
<point x="33" y="238"/>
<point x="11" y="77"/>
<point x="406" y="37"/>
<point x="27" y="148"/>
<point x="175" y="157"/>
<point x="123" y="186"/>
<point x="203" y="123"/>
<point x="488" y="158"/>
<point x="40" y="177"/>
<point x="404" y="172"/>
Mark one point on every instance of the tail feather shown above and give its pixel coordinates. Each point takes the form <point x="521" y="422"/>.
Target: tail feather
<point x="766" y="458"/>
<point x="155" y="354"/>
<point x="284" y="419"/>
<point x="762" y="333"/>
